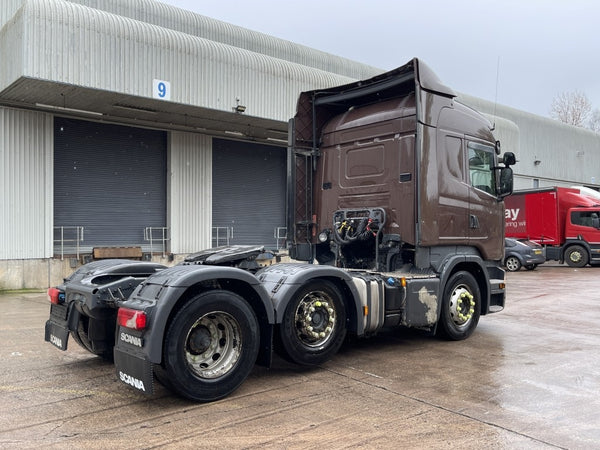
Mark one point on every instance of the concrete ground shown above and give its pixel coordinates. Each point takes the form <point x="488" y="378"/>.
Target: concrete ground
<point x="528" y="378"/>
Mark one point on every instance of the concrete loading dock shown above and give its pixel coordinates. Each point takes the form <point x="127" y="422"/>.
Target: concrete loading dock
<point x="527" y="378"/>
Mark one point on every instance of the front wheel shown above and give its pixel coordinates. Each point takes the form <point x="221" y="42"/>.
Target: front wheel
<point x="314" y="324"/>
<point x="576" y="256"/>
<point x="461" y="307"/>
<point x="210" y="346"/>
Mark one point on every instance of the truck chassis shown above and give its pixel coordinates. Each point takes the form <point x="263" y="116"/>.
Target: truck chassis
<point x="199" y="328"/>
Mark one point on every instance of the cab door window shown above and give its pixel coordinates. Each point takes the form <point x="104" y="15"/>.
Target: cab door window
<point x="481" y="162"/>
<point x="586" y="218"/>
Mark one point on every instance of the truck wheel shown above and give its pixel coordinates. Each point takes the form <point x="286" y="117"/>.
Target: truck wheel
<point x="512" y="264"/>
<point x="576" y="256"/>
<point x="461" y="307"/>
<point x="314" y="324"/>
<point x="210" y="346"/>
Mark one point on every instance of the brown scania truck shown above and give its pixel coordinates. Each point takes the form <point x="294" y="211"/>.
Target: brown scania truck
<point x="395" y="207"/>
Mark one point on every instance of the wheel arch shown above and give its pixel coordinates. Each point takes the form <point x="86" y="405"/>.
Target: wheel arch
<point x="473" y="265"/>
<point x="283" y="281"/>
<point x="198" y="279"/>
<point x="515" y="255"/>
<point x="347" y="290"/>
<point x="264" y="315"/>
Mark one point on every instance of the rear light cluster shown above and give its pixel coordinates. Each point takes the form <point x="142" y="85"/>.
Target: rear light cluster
<point x="131" y="318"/>
<point x="56" y="296"/>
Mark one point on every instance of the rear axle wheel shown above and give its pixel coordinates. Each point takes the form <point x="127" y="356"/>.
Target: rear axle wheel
<point x="210" y="346"/>
<point x="314" y="324"/>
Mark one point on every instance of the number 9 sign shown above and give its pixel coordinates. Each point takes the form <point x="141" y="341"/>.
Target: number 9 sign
<point x="161" y="89"/>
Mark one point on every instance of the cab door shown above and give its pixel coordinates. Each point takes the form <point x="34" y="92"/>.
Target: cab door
<point x="486" y="218"/>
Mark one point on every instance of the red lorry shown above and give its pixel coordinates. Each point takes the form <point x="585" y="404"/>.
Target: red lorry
<point x="565" y="220"/>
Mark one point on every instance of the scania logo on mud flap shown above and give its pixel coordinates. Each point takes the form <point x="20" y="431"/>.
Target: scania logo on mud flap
<point x="133" y="340"/>
<point x="128" y="379"/>
<point x="56" y="341"/>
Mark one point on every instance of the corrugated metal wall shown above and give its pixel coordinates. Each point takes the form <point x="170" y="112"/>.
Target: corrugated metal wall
<point x="11" y="42"/>
<point x="190" y="192"/>
<point x="567" y="155"/>
<point x="73" y="44"/>
<point x="167" y="16"/>
<point x="8" y="9"/>
<point x="26" y="153"/>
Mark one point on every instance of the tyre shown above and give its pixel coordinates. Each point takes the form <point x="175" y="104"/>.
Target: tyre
<point x="530" y="266"/>
<point x="512" y="264"/>
<point x="461" y="307"/>
<point x="104" y="349"/>
<point x="576" y="256"/>
<point x="210" y="346"/>
<point x="314" y="324"/>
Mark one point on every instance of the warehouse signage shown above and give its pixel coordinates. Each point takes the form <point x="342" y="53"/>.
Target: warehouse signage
<point x="161" y="89"/>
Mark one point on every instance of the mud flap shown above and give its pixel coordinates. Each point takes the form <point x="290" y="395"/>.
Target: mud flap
<point x="134" y="371"/>
<point x="57" y="335"/>
<point x="63" y="318"/>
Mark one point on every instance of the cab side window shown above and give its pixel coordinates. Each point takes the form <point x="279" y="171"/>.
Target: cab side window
<point x="585" y="218"/>
<point x="481" y="162"/>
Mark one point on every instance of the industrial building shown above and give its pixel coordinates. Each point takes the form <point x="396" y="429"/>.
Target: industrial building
<point x="138" y="125"/>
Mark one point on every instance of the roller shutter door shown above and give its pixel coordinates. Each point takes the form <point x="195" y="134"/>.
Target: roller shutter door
<point x="248" y="193"/>
<point x="110" y="180"/>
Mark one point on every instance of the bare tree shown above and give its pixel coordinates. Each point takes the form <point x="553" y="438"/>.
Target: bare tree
<point x="595" y="121"/>
<point x="572" y="108"/>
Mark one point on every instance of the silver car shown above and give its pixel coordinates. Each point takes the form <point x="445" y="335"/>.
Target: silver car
<point x="522" y="253"/>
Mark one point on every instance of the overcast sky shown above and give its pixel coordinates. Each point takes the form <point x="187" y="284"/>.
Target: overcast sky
<point x="520" y="53"/>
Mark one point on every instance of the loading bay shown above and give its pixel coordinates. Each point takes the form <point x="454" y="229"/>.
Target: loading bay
<point x="529" y="377"/>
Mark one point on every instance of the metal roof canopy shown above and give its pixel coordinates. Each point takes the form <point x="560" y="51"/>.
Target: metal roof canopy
<point x="76" y="60"/>
<point x="97" y="105"/>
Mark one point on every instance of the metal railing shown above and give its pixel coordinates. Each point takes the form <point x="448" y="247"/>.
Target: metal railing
<point x="221" y="236"/>
<point x="158" y="235"/>
<point x="280" y="235"/>
<point x="68" y="235"/>
<point x="224" y="236"/>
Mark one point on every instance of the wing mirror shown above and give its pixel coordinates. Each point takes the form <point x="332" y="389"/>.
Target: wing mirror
<point x="504" y="176"/>
<point x="509" y="159"/>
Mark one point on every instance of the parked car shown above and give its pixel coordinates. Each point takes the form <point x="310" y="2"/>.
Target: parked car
<point x="522" y="253"/>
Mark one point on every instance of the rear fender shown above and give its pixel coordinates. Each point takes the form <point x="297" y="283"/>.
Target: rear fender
<point x="96" y="287"/>
<point x="282" y="281"/>
<point x="113" y="267"/>
<point x="162" y="294"/>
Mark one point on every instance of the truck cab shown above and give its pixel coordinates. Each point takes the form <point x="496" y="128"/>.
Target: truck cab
<point x="582" y="227"/>
<point x="401" y="174"/>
